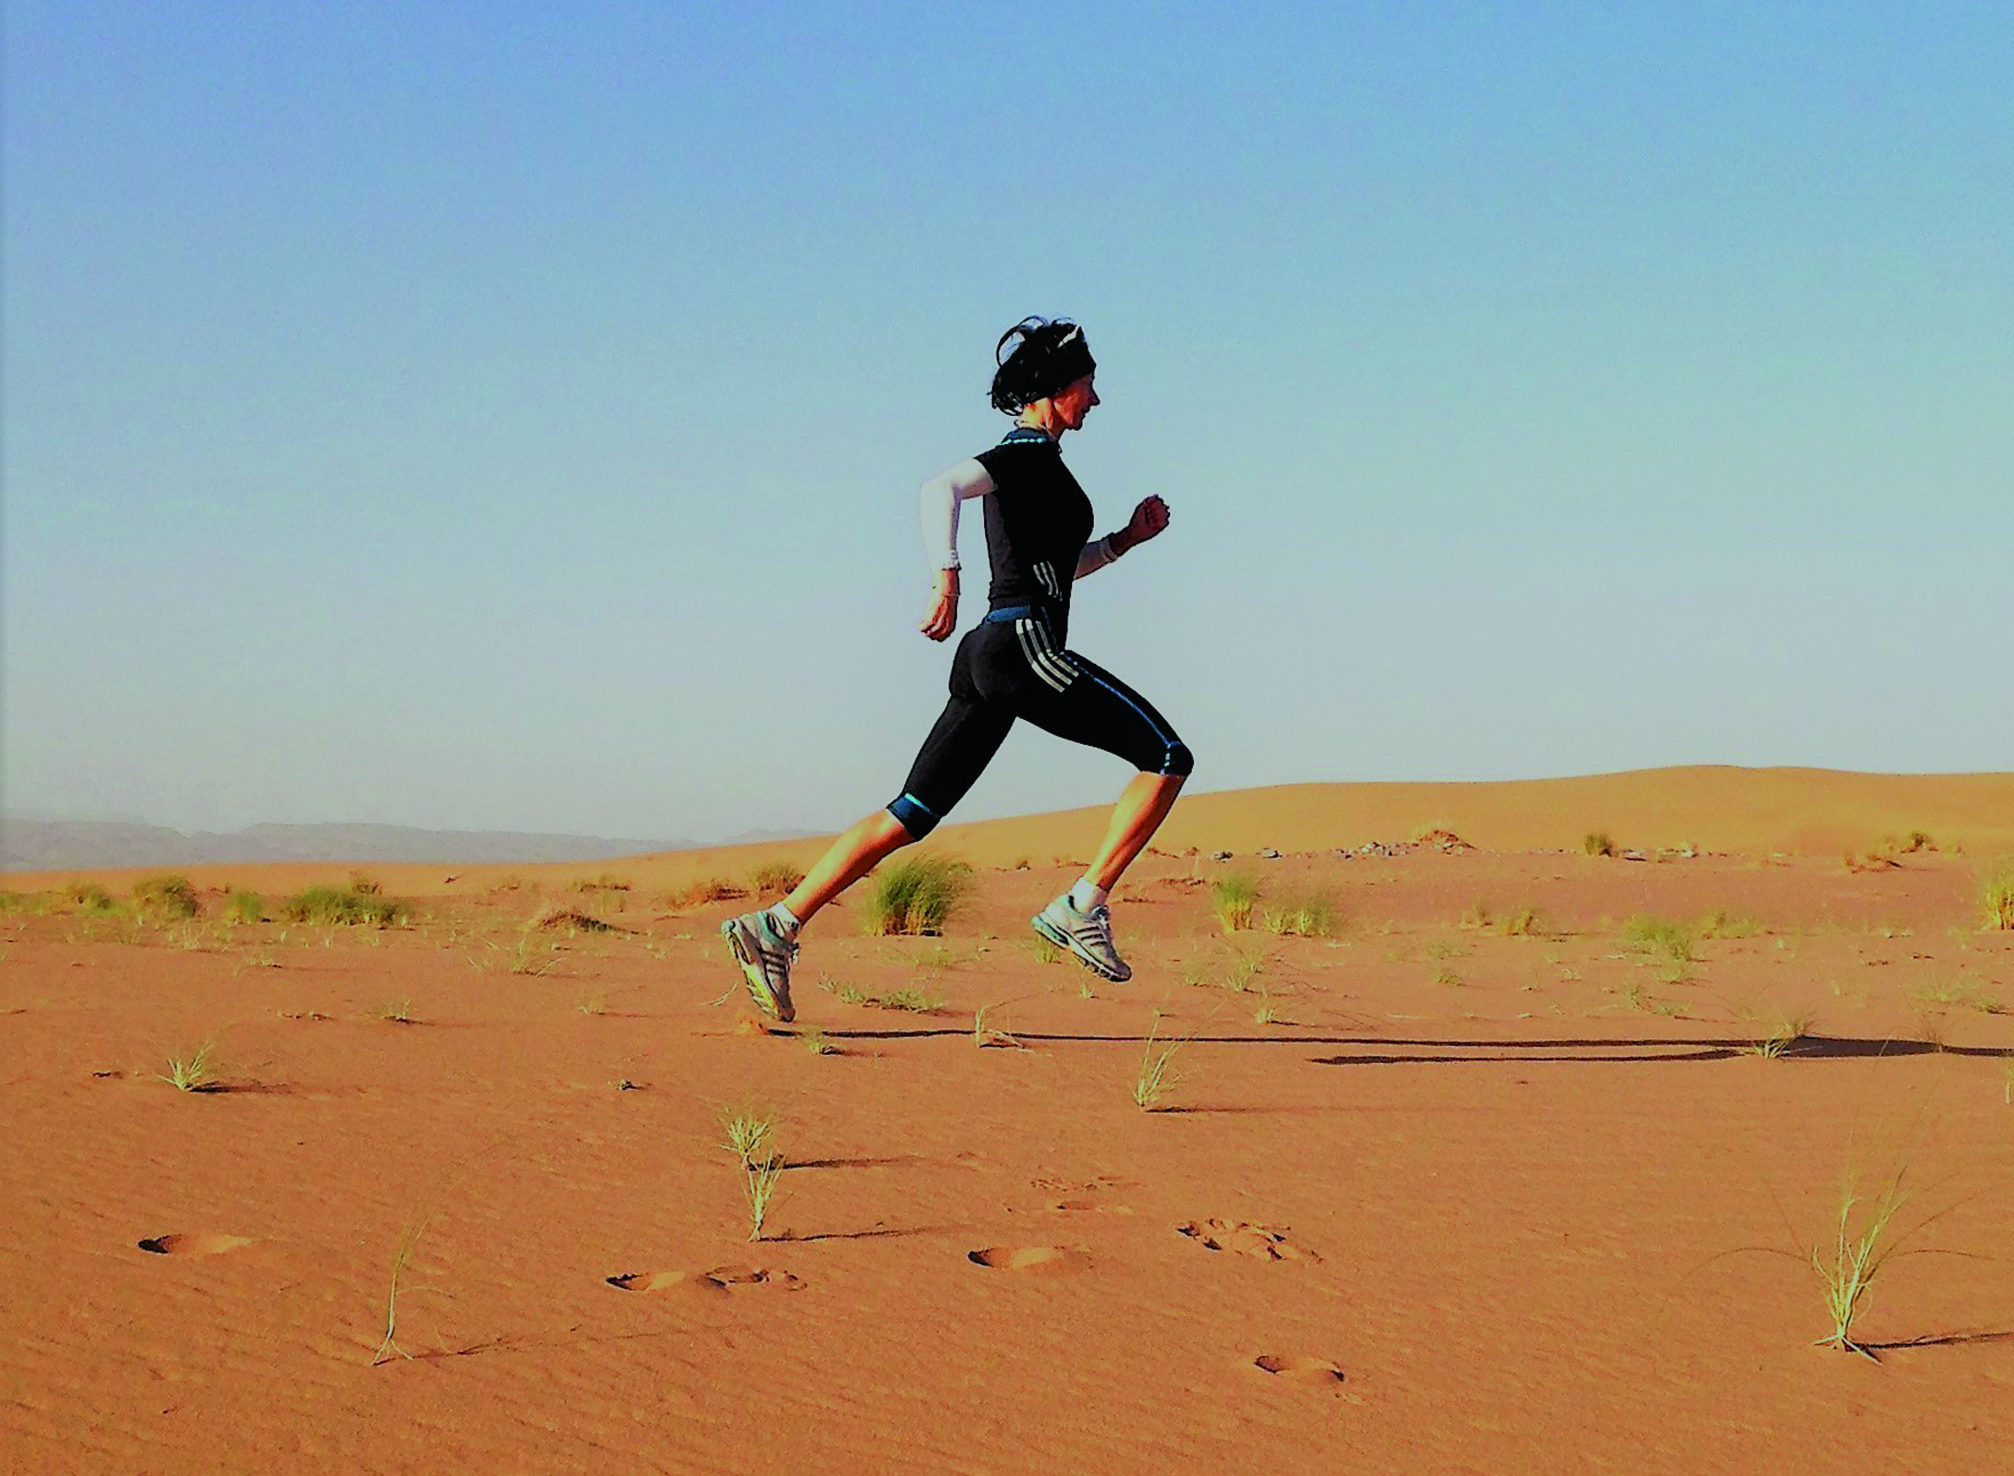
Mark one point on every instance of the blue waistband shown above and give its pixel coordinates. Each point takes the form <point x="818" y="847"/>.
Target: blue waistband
<point x="1011" y="612"/>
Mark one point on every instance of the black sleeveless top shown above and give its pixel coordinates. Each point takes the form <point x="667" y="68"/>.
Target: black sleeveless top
<point x="1037" y="523"/>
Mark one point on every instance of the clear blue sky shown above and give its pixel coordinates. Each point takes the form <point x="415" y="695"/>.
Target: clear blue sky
<point x="510" y="415"/>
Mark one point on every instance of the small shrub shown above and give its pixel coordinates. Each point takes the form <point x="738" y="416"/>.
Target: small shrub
<point x="364" y="884"/>
<point x="1021" y="863"/>
<point x="165" y="896"/>
<point x="603" y="883"/>
<point x="23" y="902"/>
<point x="1233" y="896"/>
<point x="815" y="1042"/>
<point x="775" y="879"/>
<point x="347" y="907"/>
<point x="1919" y="840"/>
<point x="917" y="896"/>
<point x="244" y="907"/>
<point x="1597" y="843"/>
<point x="1478" y="915"/>
<point x="89" y="897"/>
<point x="396" y="1012"/>
<point x="1521" y="922"/>
<point x="1447" y="978"/>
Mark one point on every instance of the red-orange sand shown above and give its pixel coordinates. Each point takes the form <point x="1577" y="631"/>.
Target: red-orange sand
<point x="1429" y="1195"/>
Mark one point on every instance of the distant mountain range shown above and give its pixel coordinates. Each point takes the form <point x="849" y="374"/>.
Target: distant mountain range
<point x="45" y="844"/>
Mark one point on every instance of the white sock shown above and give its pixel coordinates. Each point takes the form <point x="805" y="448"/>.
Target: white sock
<point x="1087" y="894"/>
<point x="785" y="921"/>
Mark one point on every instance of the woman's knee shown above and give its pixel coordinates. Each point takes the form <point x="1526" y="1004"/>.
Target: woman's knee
<point x="1178" y="761"/>
<point x="913" y="816"/>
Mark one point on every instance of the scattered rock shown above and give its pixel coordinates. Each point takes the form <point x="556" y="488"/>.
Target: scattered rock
<point x="1220" y="855"/>
<point x="1270" y="854"/>
<point x="1633" y="856"/>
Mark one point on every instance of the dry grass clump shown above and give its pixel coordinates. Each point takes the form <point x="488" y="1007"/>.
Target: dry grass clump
<point x="1996" y="892"/>
<point x="775" y="879"/>
<point x="345" y="906"/>
<point x="1233" y="897"/>
<point x="1720" y="923"/>
<point x="1597" y="843"/>
<point x="1308" y="916"/>
<point x="1156" y="1076"/>
<point x="603" y="883"/>
<point x="1782" y="1037"/>
<point x="23" y="902"/>
<point x="165" y="896"/>
<point x="1649" y="934"/>
<point x="1954" y="992"/>
<point x="244" y="907"/>
<point x="916" y="896"/>
<point x="706" y="889"/>
<point x="1521" y="922"/>
<point x="572" y="919"/>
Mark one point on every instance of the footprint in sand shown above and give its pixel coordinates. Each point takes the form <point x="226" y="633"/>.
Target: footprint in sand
<point x="1262" y="1241"/>
<point x="1040" y="1259"/>
<point x="193" y="1245"/>
<point x="714" y="1283"/>
<point x="1316" y="1373"/>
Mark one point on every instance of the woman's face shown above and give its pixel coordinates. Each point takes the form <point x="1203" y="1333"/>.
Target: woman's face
<point x="1074" y="401"/>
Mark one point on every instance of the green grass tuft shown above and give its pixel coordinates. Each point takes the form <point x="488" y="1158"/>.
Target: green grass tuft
<point x="1848" y="1261"/>
<point x="1996" y="892"/>
<point x="1649" y="934"/>
<point x="1234" y="896"/>
<point x="165" y="896"/>
<point x="347" y="907"/>
<point x="775" y="878"/>
<point x="193" y="1072"/>
<point x="244" y="907"/>
<point x="916" y="896"/>
<point x="89" y="897"/>
<point x="1309" y="916"/>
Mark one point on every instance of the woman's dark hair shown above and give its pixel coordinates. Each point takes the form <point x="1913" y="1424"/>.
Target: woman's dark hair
<point x="1046" y="357"/>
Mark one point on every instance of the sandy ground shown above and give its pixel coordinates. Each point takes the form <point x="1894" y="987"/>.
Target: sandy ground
<point x="1429" y="1194"/>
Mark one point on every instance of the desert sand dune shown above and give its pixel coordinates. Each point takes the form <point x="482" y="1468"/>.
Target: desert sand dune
<point x="1814" y="812"/>
<point x="1483" y="1175"/>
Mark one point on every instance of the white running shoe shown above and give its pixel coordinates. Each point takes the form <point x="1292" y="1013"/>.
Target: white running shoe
<point x="1086" y="934"/>
<point x="765" y="958"/>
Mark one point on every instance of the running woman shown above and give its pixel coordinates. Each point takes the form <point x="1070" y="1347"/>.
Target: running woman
<point x="1013" y="664"/>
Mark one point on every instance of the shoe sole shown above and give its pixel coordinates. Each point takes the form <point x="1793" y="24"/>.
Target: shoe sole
<point x="1076" y="950"/>
<point x="751" y="977"/>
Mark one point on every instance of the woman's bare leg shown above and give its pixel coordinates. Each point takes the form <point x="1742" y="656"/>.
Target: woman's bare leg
<point x="851" y="856"/>
<point x="1142" y="807"/>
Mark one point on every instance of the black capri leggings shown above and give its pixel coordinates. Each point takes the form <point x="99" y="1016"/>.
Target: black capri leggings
<point x="1008" y="668"/>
